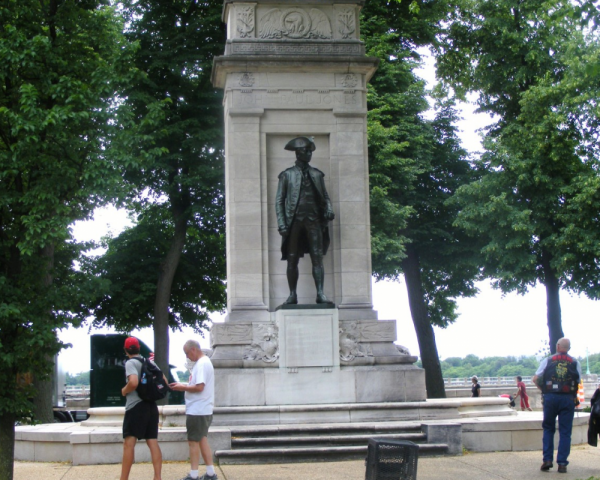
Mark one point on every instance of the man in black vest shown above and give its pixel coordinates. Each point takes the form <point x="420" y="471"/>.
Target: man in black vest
<point x="558" y="377"/>
<point x="303" y="211"/>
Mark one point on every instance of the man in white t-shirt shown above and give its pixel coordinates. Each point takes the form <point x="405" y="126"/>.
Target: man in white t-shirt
<point x="199" y="402"/>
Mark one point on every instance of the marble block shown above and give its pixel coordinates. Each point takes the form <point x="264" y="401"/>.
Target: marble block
<point x="308" y="338"/>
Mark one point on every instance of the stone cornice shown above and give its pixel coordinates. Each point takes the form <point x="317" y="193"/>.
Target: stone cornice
<point x="223" y="65"/>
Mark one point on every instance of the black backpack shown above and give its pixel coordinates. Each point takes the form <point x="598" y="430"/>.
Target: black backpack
<point x="151" y="383"/>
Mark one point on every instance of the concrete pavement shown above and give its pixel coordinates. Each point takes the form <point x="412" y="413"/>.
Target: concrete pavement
<point x="585" y="463"/>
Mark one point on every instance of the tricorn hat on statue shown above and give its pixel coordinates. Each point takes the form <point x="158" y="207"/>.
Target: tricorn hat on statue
<point x="301" y="142"/>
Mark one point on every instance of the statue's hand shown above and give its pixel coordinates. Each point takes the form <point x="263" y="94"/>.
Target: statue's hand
<point x="329" y="215"/>
<point x="283" y="232"/>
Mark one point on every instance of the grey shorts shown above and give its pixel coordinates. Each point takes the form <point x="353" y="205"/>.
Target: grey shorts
<point x="197" y="426"/>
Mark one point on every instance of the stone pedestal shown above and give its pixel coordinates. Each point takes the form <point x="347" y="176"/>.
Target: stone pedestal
<point x="298" y="69"/>
<point x="308" y="338"/>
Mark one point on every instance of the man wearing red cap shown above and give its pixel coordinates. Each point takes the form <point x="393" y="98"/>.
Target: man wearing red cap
<point x="141" y="418"/>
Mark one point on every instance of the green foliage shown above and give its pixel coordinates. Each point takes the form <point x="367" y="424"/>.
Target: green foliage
<point x="82" y="378"/>
<point x="415" y="164"/>
<point x="175" y="137"/>
<point x="61" y="63"/>
<point x="60" y="66"/>
<point x="130" y="265"/>
<point x="535" y="209"/>
<point x="455" y="367"/>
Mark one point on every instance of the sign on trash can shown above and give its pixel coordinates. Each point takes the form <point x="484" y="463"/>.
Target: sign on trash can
<point x="391" y="459"/>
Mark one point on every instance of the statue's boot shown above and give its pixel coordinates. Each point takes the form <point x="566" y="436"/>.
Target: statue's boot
<point x="292" y="274"/>
<point x="292" y="299"/>
<point x="322" y="298"/>
<point x="319" y="277"/>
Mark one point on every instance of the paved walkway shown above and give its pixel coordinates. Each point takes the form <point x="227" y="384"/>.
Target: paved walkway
<point x="585" y="463"/>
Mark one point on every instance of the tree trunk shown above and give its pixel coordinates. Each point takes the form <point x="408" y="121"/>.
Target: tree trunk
<point x="553" y="312"/>
<point x="7" y="445"/>
<point x="434" y="381"/>
<point x="163" y="293"/>
<point x="42" y="402"/>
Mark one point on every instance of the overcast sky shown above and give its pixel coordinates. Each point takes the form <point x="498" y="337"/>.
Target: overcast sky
<point x="489" y="324"/>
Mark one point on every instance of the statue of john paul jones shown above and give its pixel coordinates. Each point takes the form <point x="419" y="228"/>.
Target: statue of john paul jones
<point x="303" y="212"/>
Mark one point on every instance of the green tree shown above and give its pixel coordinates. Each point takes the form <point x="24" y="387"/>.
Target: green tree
<point x="131" y="263"/>
<point x="60" y="62"/>
<point x="176" y="137"/>
<point x="536" y="206"/>
<point x="415" y="166"/>
<point x="489" y="366"/>
<point x="82" y="378"/>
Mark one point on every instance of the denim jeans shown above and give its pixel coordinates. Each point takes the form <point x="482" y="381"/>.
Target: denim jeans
<point x="559" y="405"/>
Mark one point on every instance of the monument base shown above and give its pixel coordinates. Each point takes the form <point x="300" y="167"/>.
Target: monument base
<point x="318" y="385"/>
<point x="308" y="356"/>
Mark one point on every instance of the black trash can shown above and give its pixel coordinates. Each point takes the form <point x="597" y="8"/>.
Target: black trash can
<point x="391" y="459"/>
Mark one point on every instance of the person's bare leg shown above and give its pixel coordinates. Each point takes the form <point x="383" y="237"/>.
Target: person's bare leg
<point x="194" y="454"/>
<point x="156" y="455"/>
<point x="128" y="456"/>
<point x="206" y="451"/>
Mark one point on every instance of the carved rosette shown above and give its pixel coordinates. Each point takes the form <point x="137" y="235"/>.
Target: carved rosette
<point x="349" y="81"/>
<point x="244" y="20"/>
<point x="247" y="79"/>
<point x="346" y="23"/>
<point x="350" y="348"/>
<point x="295" y="23"/>
<point x="265" y="343"/>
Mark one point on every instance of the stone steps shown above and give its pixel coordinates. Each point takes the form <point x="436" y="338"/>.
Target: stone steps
<point x="298" y="443"/>
<point x="313" y="454"/>
<point x="322" y="439"/>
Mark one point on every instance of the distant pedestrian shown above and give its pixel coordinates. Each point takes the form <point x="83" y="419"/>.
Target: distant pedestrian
<point x="558" y="377"/>
<point x="141" y="417"/>
<point x="522" y="392"/>
<point x="475" y="388"/>
<point x="199" y="403"/>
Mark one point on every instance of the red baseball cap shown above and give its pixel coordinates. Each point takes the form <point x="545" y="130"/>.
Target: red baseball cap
<point x="132" y="342"/>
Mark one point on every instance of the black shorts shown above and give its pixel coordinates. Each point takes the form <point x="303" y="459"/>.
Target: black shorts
<point x="141" y="421"/>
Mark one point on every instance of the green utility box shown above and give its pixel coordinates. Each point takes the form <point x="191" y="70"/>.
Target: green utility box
<point x="107" y="375"/>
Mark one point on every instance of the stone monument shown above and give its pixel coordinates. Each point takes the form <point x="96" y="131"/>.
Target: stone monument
<point x="294" y="69"/>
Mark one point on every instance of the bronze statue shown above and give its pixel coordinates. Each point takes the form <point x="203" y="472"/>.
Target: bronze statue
<point x="303" y="211"/>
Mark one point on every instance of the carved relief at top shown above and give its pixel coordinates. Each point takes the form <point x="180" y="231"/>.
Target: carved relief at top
<point x="245" y="21"/>
<point x="295" y="23"/>
<point x="346" y="22"/>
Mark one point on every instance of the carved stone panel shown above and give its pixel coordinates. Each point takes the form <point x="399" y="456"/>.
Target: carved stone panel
<point x="265" y="343"/>
<point x="231" y="334"/>
<point x="372" y="331"/>
<point x="346" y="22"/>
<point x="244" y="20"/>
<point x="350" y="348"/>
<point x="294" y="23"/>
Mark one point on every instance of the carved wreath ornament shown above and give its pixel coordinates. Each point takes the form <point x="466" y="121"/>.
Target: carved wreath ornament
<point x="245" y="21"/>
<point x="265" y="345"/>
<point x="295" y="23"/>
<point x="350" y="348"/>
